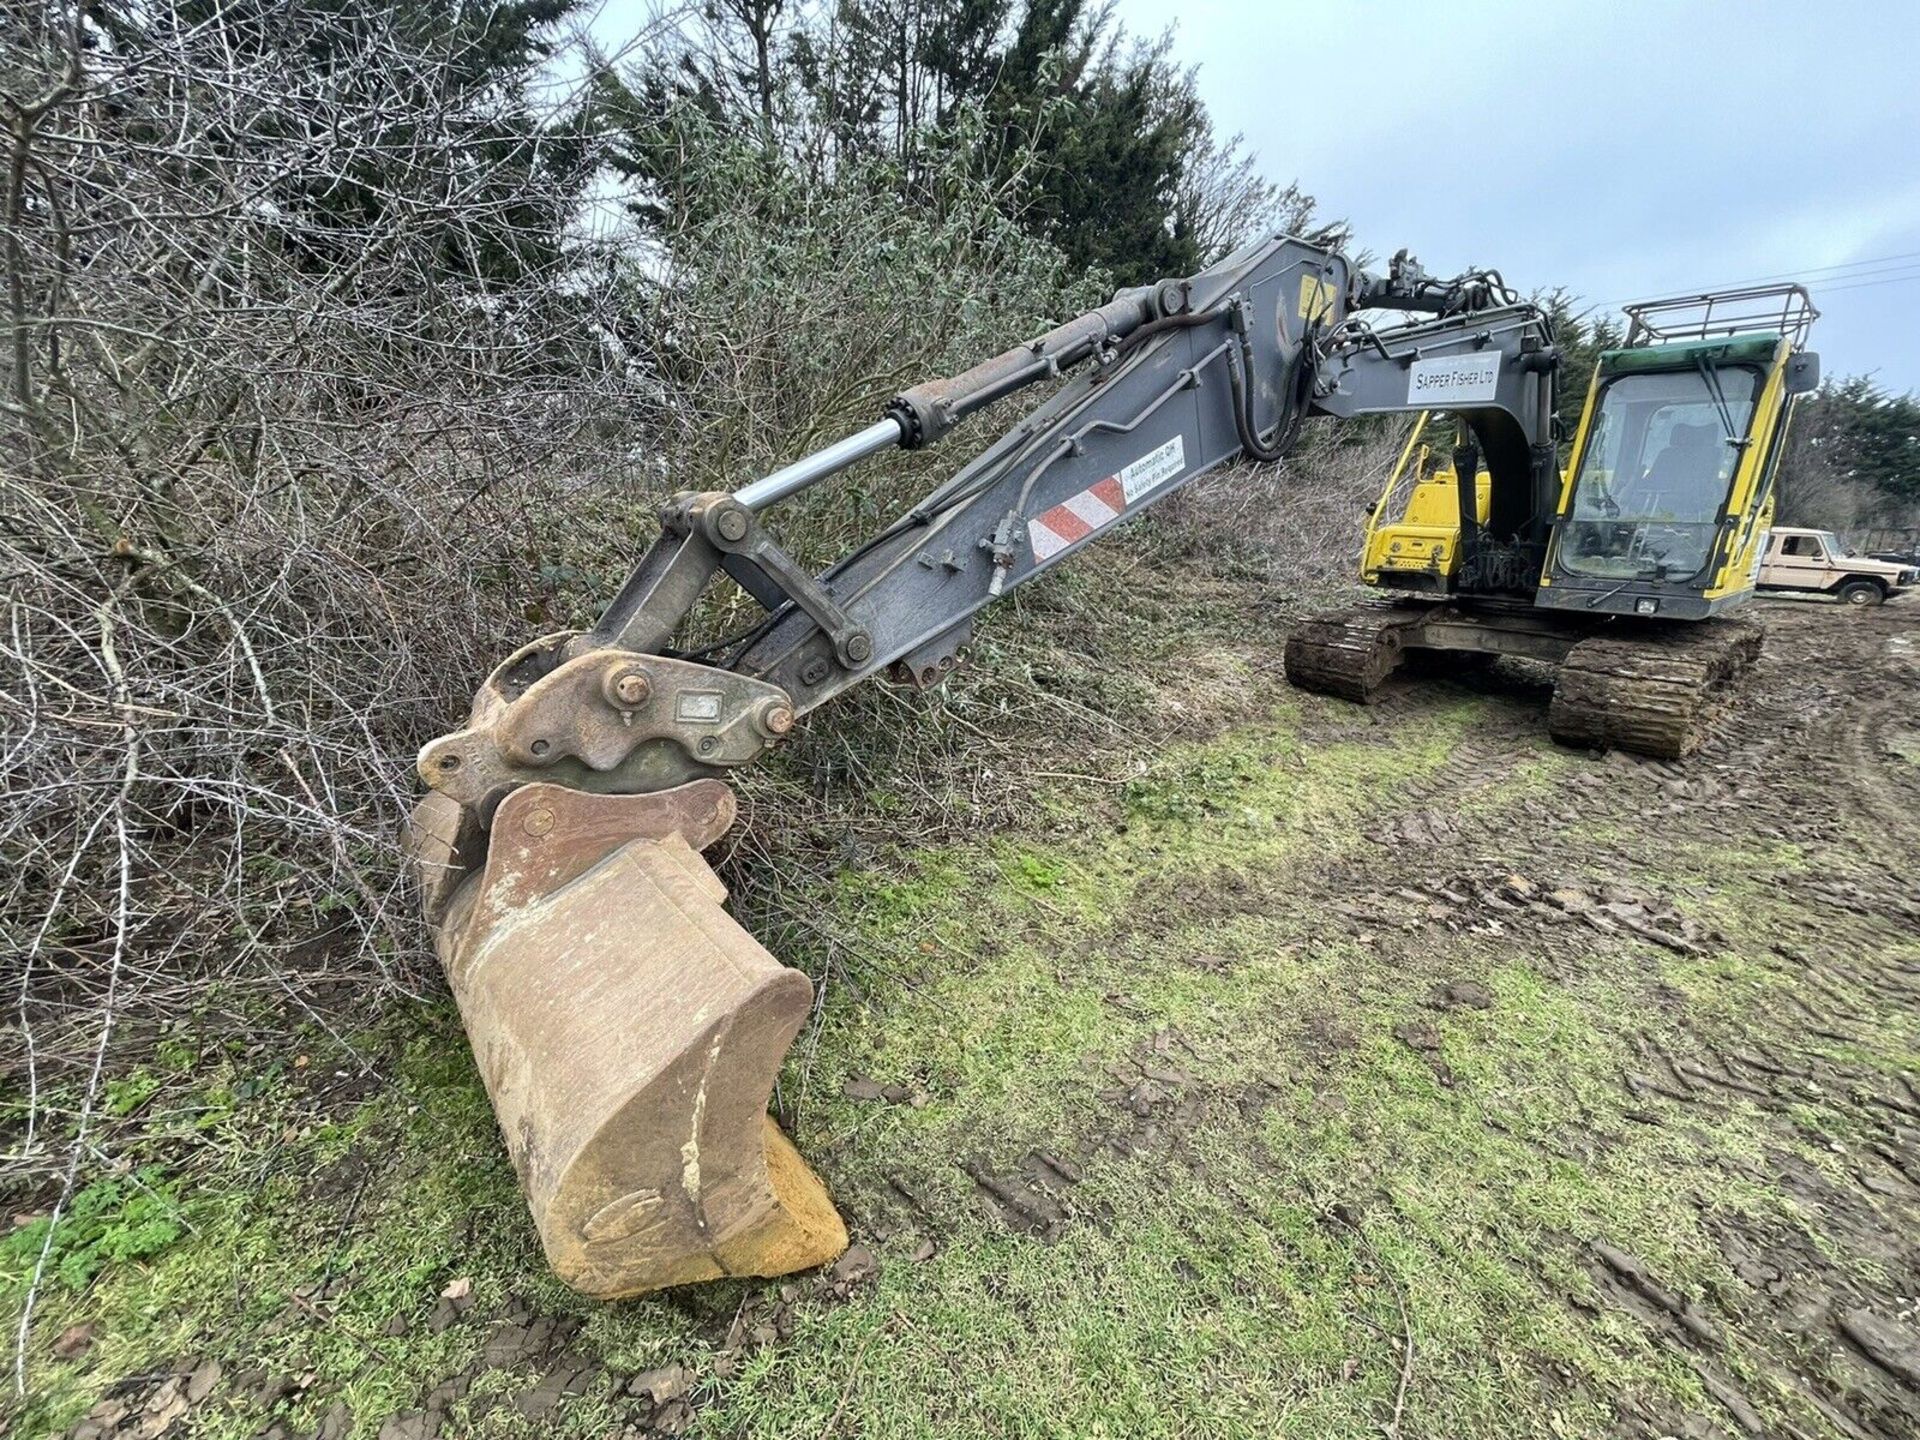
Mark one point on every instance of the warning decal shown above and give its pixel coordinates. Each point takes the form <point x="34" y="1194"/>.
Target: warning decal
<point x="1077" y="518"/>
<point x="1105" y="501"/>
<point x="1316" y="298"/>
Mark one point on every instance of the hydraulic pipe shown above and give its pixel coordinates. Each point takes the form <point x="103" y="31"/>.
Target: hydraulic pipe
<point x="811" y="469"/>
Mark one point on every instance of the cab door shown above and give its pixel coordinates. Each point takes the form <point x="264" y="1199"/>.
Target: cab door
<point x="1796" y="562"/>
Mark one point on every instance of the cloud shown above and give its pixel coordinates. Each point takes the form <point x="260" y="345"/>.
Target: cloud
<point x="1616" y="150"/>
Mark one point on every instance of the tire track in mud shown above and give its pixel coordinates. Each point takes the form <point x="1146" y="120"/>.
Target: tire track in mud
<point x="1864" y="745"/>
<point x="1808" y="759"/>
<point x="1818" y="756"/>
<point x="1811" y="745"/>
<point x="1430" y="811"/>
<point x="1818" y="1319"/>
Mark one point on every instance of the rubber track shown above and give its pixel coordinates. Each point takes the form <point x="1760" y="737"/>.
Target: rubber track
<point x="1655" y="693"/>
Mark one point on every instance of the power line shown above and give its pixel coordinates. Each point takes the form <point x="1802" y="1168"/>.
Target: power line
<point x="1869" y="284"/>
<point x="1855" y="274"/>
<point x="1809" y="270"/>
<point x="1810" y="275"/>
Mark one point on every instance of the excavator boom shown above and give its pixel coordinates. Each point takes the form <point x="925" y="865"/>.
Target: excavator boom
<point x="628" y="1031"/>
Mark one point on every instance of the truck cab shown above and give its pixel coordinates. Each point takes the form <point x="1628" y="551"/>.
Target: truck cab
<point x="1818" y="562"/>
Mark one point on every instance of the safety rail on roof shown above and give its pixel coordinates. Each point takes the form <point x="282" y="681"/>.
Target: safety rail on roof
<point x="1757" y="309"/>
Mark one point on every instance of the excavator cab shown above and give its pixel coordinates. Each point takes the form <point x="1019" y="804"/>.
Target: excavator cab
<point x="1661" y="509"/>
<point x="1660" y="512"/>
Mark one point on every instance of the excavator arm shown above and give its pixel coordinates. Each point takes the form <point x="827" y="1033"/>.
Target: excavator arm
<point x="628" y="1031"/>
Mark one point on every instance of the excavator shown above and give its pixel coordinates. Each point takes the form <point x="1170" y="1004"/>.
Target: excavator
<point x="630" y="1033"/>
<point x="1659" y="522"/>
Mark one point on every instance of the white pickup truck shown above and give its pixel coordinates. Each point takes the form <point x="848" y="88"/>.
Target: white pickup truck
<point x="1818" y="562"/>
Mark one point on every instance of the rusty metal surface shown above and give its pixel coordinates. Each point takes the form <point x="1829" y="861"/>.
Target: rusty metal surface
<point x="605" y="721"/>
<point x="629" y="1034"/>
<point x="443" y="843"/>
<point x="928" y="665"/>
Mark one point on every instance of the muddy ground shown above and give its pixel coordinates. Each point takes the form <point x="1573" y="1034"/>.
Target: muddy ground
<point x="1822" y="759"/>
<point x="1341" y="1072"/>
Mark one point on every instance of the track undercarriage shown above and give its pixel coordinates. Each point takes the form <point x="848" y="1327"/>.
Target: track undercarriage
<point x="1652" y="688"/>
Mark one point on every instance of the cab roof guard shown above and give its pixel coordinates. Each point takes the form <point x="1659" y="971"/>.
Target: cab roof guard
<point x="1755" y="309"/>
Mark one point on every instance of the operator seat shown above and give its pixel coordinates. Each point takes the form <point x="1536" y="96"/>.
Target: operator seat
<point x="1683" y="487"/>
<point x="1687" y="467"/>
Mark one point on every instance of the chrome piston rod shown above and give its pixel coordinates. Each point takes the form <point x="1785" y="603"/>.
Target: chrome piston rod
<point x="923" y="414"/>
<point x="811" y="469"/>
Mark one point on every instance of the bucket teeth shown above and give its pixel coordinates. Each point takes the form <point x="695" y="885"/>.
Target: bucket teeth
<point x="629" y="1034"/>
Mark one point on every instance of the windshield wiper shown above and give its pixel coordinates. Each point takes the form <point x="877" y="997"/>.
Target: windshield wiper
<point x="1712" y="382"/>
<point x="1607" y="595"/>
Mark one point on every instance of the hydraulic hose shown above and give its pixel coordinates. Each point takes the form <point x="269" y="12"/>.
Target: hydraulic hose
<point x="1285" y="430"/>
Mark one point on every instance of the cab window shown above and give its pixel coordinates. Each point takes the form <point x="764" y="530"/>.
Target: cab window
<point x="1804" y="547"/>
<point x="1655" y="473"/>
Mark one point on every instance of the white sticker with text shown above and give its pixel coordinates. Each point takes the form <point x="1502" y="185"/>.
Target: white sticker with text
<point x="1154" y="468"/>
<point x="1453" y="380"/>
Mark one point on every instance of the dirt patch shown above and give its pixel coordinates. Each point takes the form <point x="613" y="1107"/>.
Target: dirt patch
<point x="1034" y="1199"/>
<point x="1814" y="761"/>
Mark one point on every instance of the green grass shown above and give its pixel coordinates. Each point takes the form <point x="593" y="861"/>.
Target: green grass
<point x="113" y="1220"/>
<point x="1254" y="1267"/>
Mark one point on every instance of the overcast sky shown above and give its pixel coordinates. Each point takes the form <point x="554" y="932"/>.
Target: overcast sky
<point x="1624" y="149"/>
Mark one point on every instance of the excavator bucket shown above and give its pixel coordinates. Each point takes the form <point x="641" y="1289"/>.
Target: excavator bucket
<point x="629" y="1034"/>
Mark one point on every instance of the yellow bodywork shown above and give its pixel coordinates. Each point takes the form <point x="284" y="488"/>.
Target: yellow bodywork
<point x="1415" y="524"/>
<point x="1750" y="502"/>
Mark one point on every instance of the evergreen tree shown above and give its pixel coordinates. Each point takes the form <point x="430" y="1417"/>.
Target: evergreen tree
<point x="1097" y="142"/>
<point x="1581" y="336"/>
<point x="1854" y="434"/>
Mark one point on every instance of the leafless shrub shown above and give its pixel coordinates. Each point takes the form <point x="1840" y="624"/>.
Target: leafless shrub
<point x="1815" y="487"/>
<point x="781" y="308"/>
<point x="1846" y="465"/>
<point x="1296" y="524"/>
<point x="298" y="369"/>
<point x="315" y="402"/>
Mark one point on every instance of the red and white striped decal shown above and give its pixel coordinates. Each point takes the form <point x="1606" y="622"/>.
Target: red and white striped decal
<point x="1077" y="517"/>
